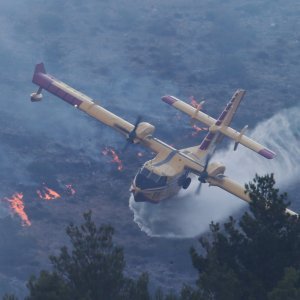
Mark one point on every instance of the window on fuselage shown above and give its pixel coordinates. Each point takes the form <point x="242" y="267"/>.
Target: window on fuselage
<point x="147" y="180"/>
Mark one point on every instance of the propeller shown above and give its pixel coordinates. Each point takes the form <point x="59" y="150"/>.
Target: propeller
<point x="203" y="175"/>
<point x="132" y="134"/>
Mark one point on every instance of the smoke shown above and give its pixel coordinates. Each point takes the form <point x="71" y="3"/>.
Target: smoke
<point x="189" y="215"/>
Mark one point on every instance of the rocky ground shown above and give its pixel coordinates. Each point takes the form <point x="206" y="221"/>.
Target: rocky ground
<point x="100" y="187"/>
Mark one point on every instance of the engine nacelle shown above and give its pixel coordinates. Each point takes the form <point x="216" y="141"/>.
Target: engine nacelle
<point x="215" y="168"/>
<point x="35" y="97"/>
<point x="144" y="129"/>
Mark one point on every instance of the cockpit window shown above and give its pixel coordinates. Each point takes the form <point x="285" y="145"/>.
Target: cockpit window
<point x="145" y="171"/>
<point x="146" y="179"/>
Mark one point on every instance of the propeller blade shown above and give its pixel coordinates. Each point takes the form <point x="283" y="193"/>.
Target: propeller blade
<point x="204" y="175"/>
<point x="208" y="157"/>
<point x="125" y="146"/>
<point x="198" y="190"/>
<point x="132" y="134"/>
<point x="137" y="122"/>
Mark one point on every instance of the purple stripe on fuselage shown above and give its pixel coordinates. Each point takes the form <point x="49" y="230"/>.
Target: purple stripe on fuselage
<point x="224" y="114"/>
<point x="169" y="99"/>
<point x="221" y="118"/>
<point x="61" y="93"/>
<point x="72" y="100"/>
<point x="53" y="89"/>
<point x="267" y="153"/>
<point x="207" y="140"/>
<point x="46" y="82"/>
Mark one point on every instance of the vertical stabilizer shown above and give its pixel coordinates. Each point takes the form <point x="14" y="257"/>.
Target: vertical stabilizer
<point x="40" y="68"/>
<point x="228" y="113"/>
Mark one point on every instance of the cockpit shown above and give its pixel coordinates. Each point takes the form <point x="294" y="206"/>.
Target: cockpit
<point x="146" y="179"/>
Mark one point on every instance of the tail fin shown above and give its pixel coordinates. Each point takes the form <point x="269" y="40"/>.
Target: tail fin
<point x="225" y="119"/>
<point x="38" y="71"/>
<point x="40" y="68"/>
<point x="227" y="114"/>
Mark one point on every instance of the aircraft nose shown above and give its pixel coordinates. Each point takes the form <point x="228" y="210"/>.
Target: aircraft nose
<point x="140" y="197"/>
<point x="134" y="189"/>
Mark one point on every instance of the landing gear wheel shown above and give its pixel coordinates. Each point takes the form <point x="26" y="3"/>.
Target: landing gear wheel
<point x="186" y="183"/>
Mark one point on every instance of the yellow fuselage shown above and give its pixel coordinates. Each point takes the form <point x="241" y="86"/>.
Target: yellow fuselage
<point x="159" y="179"/>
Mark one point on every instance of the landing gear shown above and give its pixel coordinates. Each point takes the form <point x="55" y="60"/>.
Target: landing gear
<point x="186" y="183"/>
<point x="203" y="176"/>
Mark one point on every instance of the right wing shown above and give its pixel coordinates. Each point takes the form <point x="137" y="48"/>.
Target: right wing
<point x="236" y="189"/>
<point x="230" y="186"/>
<point x="86" y="104"/>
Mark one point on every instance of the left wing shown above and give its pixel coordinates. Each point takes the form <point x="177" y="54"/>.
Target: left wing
<point x="87" y="104"/>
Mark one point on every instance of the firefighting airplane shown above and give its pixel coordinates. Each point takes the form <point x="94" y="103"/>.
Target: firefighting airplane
<point x="163" y="176"/>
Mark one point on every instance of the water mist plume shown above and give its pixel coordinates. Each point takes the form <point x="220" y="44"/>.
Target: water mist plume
<point x="189" y="215"/>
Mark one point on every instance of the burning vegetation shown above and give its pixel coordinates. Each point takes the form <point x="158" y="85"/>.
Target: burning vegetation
<point x="197" y="130"/>
<point x="46" y="193"/>
<point x="199" y="106"/>
<point x="109" y="151"/>
<point x="194" y="102"/>
<point x="17" y="207"/>
<point x="70" y="190"/>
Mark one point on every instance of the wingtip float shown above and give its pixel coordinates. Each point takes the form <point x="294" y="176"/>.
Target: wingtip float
<point x="168" y="172"/>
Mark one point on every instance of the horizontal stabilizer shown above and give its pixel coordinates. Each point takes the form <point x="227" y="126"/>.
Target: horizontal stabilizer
<point x="247" y="142"/>
<point x="189" y="110"/>
<point x="221" y="125"/>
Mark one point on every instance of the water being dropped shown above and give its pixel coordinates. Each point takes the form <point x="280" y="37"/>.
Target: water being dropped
<point x="188" y="215"/>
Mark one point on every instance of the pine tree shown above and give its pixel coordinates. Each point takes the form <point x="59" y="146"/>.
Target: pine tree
<point x="92" y="269"/>
<point x="247" y="259"/>
<point x="288" y="288"/>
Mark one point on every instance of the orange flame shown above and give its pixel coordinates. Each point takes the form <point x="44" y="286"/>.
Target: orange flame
<point x="194" y="102"/>
<point x="70" y="189"/>
<point x="47" y="194"/>
<point x="17" y="206"/>
<point x="115" y="158"/>
<point x="198" y="129"/>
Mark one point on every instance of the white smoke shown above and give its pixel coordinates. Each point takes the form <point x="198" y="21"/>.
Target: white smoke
<point x="189" y="215"/>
